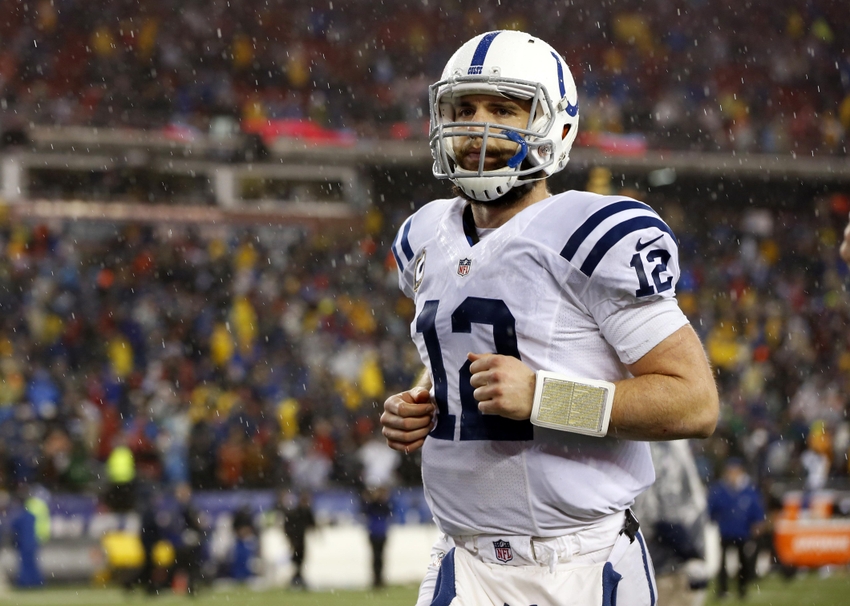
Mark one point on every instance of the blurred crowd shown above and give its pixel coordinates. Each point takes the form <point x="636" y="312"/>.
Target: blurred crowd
<point x="260" y="359"/>
<point x="690" y="74"/>
<point x="767" y="292"/>
<point x="169" y="356"/>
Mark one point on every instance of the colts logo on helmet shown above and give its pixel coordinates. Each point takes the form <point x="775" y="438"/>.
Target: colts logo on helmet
<point x="504" y="553"/>
<point x="463" y="267"/>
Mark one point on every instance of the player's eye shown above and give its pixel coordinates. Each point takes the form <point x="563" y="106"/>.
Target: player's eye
<point x="505" y="111"/>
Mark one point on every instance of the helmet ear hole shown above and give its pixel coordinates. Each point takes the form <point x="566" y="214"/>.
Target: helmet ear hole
<point x="567" y="128"/>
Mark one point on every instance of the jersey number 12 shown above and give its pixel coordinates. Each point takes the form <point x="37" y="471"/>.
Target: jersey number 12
<point x="473" y="424"/>
<point x="660" y="258"/>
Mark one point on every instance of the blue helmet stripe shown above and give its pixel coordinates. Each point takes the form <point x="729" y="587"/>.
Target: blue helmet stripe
<point x="616" y="234"/>
<point x="560" y="76"/>
<point x="481" y="53"/>
<point x="572" y="110"/>
<point x="593" y="222"/>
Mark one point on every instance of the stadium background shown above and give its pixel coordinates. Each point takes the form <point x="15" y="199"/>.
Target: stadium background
<point x="198" y="205"/>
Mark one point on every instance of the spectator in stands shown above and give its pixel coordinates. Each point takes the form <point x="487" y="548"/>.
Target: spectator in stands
<point x="790" y="96"/>
<point x="735" y="505"/>
<point x="121" y="475"/>
<point x="298" y="518"/>
<point x="311" y="469"/>
<point x="816" y="459"/>
<point x="379" y="462"/>
<point x="202" y="466"/>
<point x="230" y="458"/>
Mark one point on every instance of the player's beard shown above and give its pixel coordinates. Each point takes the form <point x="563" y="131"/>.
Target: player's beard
<point x="510" y="197"/>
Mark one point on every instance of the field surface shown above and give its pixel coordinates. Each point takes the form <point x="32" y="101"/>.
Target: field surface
<point x="808" y="589"/>
<point x="220" y="596"/>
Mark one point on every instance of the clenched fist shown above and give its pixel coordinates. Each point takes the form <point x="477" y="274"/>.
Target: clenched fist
<point x="503" y="385"/>
<point x="408" y="418"/>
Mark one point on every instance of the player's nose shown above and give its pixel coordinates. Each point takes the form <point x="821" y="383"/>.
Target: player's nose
<point x="482" y="114"/>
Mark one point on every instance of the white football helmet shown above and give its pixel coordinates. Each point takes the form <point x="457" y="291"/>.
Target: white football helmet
<point x="515" y="65"/>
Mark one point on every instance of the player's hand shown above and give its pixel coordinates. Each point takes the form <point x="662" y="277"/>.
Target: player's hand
<point x="844" y="250"/>
<point x="408" y="418"/>
<point x="503" y="385"/>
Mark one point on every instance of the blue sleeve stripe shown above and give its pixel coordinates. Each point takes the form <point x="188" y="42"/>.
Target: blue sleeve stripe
<point x="617" y="233"/>
<point x="593" y="222"/>
<point x="401" y="238"/>
<point x="405" y="243"/>
<point x="397" y="258"/>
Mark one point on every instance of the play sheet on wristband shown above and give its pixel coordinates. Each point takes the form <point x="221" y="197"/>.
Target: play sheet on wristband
<point x="575" y="405"/>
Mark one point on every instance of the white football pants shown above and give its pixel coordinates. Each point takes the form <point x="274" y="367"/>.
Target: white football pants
<point x="593" y="567"/>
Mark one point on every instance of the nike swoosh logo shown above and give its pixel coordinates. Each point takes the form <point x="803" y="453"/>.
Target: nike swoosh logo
<point x="641" y="245"/>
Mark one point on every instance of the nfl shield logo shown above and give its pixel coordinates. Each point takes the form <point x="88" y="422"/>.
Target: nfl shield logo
<point x="503" y="551"/>
<point x="463" y="266"/>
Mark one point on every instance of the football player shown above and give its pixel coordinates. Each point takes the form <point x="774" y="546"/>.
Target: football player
<point x="552" y="342"/>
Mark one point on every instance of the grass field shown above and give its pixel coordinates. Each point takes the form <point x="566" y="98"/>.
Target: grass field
<point x="807" y="589"/>
<point x="230" y="596"/>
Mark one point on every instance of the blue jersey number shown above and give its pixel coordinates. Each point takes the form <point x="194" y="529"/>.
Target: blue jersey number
<point x="473" y="425"/>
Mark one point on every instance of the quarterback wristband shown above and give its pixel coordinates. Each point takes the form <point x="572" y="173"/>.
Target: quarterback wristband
<point x="574" y="405"/>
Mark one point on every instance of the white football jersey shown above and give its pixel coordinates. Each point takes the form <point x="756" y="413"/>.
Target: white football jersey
<point x="579" y="284"/>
